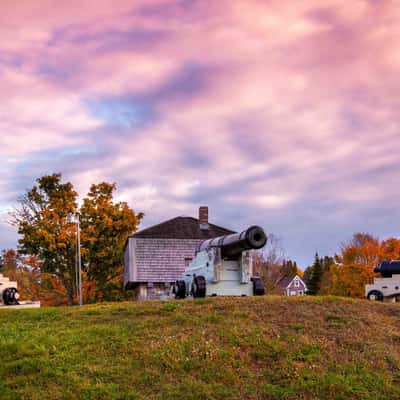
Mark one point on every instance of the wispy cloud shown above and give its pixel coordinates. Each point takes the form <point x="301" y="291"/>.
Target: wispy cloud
<point x="278" y="113"/>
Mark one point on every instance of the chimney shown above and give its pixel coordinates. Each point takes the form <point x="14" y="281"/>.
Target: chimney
<point x="203" y="217"/>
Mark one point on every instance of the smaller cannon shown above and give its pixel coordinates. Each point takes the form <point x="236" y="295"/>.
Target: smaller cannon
<point x="223" y="266"/>
<point x="388" y="268"/>
<point x="388" y="286"/>
<point x="8" y="292"/>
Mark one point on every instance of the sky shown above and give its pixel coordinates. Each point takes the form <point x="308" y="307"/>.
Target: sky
<point x="283" y="114"/>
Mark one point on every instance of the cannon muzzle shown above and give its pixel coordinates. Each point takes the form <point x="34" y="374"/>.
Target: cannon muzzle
<point x="233" y="245"/>
<point x="388" y="268"/>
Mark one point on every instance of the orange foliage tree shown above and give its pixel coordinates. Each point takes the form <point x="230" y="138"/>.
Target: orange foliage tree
<point x="354" y="266"/>
<point x="43" y="220"/>
<point x="106" y="225"/>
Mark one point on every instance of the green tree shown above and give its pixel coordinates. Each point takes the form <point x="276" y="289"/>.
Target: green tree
<point x="106" y="226"/>
<point x="307" y="274"/>
<point x="327" y="262"/>
<point x="43" y="222"/>
<point x="314" y="276"/>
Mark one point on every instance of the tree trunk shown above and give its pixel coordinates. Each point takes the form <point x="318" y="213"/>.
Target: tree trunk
<point x="68" y="287"/>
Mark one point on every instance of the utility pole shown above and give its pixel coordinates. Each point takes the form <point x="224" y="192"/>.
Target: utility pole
<point x="78" y="228"/>
<point x="74" y="219"/>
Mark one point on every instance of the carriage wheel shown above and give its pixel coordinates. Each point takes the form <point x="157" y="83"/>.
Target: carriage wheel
<point x="375" y="295"/>
<point x="10" y="296"/>
<point x="199" y="286"/>
<point x="258" y="286"/>
<point x="180" y="289"/>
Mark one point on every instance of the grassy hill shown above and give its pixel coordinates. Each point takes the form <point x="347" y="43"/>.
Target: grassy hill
<point x="219" y="348"/>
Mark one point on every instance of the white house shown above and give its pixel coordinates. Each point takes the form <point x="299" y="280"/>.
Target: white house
<point x="292" y="286"/>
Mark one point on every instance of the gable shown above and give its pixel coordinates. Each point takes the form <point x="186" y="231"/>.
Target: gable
<point x="289" y="282"/>
<point x="300" y="283"/>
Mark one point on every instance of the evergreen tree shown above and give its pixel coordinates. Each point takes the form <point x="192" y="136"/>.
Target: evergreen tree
<point x="327" y="262"/>
<point x="314" y="281"/>
<point x="307" y="275"/>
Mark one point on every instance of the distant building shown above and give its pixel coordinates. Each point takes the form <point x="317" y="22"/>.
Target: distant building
<point x="157" y="256"/>
<point x="292" y="286"/>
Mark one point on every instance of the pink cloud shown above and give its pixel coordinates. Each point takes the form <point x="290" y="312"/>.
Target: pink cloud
<point x="283" y="107"/>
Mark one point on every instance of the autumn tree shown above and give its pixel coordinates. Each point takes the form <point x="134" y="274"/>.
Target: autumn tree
<point x="43" y="222"/>
<point x="106" y="225"/>
<point x="390" y="249"/>
<point x="8" y="260"/>
<point x="355" y="265"/>
<point x="347" y="273"/>
<point x="289" y="268"/>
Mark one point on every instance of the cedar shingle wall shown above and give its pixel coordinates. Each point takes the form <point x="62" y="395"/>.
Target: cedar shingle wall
<point x="162" y="260"/>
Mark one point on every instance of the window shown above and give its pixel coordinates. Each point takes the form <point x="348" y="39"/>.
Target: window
<point x="296" y="282"/>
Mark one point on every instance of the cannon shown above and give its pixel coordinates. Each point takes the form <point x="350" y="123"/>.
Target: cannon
<point x="223" y="266"/>
<point x="388" y="268"/>
<point x="388" y="286"/>
<point x="8" y="292"/>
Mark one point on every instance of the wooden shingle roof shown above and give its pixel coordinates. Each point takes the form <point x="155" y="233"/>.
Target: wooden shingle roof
<point x="182" y="228"/>
<point x="285" y="281"/>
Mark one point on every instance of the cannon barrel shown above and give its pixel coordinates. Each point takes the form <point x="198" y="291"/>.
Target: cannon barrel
<point x="234" y="244"/>
<point x="388" y="268"/>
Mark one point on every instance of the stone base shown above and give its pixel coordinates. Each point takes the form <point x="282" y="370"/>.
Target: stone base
<point x="22" y="304"/>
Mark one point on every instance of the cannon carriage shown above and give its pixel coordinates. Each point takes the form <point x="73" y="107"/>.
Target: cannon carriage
<point x="9" y="295"/>
<point x="223" y="266"/>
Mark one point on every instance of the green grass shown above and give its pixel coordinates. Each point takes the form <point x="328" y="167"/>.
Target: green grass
<point x="219" y="348"/>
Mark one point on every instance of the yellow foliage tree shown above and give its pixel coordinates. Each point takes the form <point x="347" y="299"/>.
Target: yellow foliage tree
<point x="43" y="220"/>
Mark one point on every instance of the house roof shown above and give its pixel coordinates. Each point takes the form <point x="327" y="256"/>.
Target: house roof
<point x="285" y="281"/>
<point x="182" y="228"/>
